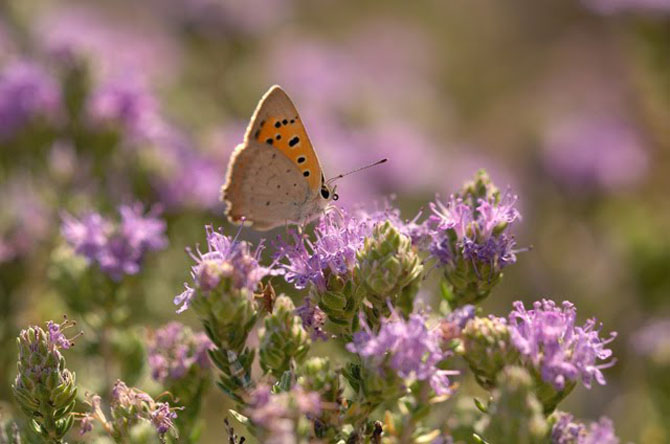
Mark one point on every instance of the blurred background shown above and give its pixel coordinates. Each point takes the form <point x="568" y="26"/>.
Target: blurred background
<point x="567" y="102"/>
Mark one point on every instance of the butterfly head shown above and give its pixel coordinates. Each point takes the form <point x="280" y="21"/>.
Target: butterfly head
<point x="327" y="191"/>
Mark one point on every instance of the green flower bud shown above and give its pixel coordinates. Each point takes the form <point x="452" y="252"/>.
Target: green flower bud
<point x="317" y="375"/>
<point x="487" y="349"/>
<point x="44" y="388"/>
<point x="283" y="339"/>
<point x="340" y="301"/>
<point x="228" y="316"/>
<point x="389" y="268"/>
<point x="515" y="414"/>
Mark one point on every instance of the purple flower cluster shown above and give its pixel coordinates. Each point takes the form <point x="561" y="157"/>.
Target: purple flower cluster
<point x="549" y="340"/>
<point x="26" y="91"/>
<point x="56" y="336"/>
<point x="411" y="348"/>
<point x="117" y="249"/>
<point x="129" y="404"/>
<point x="125" y="102"/>
<point x="174" y="349"/>
<point x="338" y="235"/>
<point x="479" y="231"/>
<point x="225" y="258"/>
<point x="162" y="417"/>
<point x="568" y="431"/>
<point x="275" y="413"/>
<point x="587" y="152"/>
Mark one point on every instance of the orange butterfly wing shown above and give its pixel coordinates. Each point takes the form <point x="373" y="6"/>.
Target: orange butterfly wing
<point x="276" y="122"/>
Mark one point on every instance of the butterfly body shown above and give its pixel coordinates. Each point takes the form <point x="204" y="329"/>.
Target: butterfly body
<point x="274" y="177"/>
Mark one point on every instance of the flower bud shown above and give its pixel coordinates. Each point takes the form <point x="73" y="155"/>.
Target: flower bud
<point x="515" y="414"/>
<point x="44" y="388"/>
<point x="317" y="375"/>
<point x="487" y="349"/>
<point x="389" y="268"/>
<point x="283" y="340"/>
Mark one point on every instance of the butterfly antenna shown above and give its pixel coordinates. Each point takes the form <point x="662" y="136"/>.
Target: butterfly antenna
<point x="239" y="230"/>
<point x="340" y="176"/>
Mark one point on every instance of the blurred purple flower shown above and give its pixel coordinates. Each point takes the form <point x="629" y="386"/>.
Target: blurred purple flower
<point x="88" y="234"/>
<point x="187" y="177"/>
<point x="25" y="219"/>
<point x="653" y="341"/>
<point x="117" y="249"/>
<point x="607" y="7"/>
<point x="363" y="68"/>
<point x="568" y="431"/>
<point x="225" y="258"/>
<point x="412" y="349"/>
<point x="275" y="413"/>
<point x="27" y="91"/>
<point x="174" y="349"/>
<point x="548" y="339"/>
<point x="127" y="102"/>
<point x="117" y="46"/>
<point x="596" y="152"/>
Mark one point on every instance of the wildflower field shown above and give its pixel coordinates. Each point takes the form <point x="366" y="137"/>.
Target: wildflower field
<point x="503" y="278"/>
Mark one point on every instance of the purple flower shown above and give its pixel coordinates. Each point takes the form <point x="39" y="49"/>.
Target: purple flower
<point x="56" y="336"/>
<point x="27" y="91"/>
<point x="595" y="152"/>
<point x="187" y="177"/>
<point x="125" y="102"/>
<point x="174" y="349"/>
<point x="114" y="43"/>
<point x="452" y="324"/>
<point x="162" y="418"/>
<point x="87" y="235"/>
<point x="117" y="249"/>
<point x="26" y="217"/>
<point x="475" y="232"/>
<point x="313" y="319"/>
<point x="568" y="431"/>
<point x="275" y="413"/>
<point x="338" y="235"/>
<point x="411" y="348"/>
<point x="86" y="424"/>
<point x="225" y="258"/>
<point x="549" y="341"/>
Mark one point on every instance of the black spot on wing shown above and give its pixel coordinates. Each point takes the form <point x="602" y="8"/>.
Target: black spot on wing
<point x="294" y="141"/>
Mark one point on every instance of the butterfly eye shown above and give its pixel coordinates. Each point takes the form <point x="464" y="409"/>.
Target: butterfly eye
<point x="325" y="193"/>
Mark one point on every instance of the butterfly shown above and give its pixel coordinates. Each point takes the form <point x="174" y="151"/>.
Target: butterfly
<point x="274" y="176"/>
